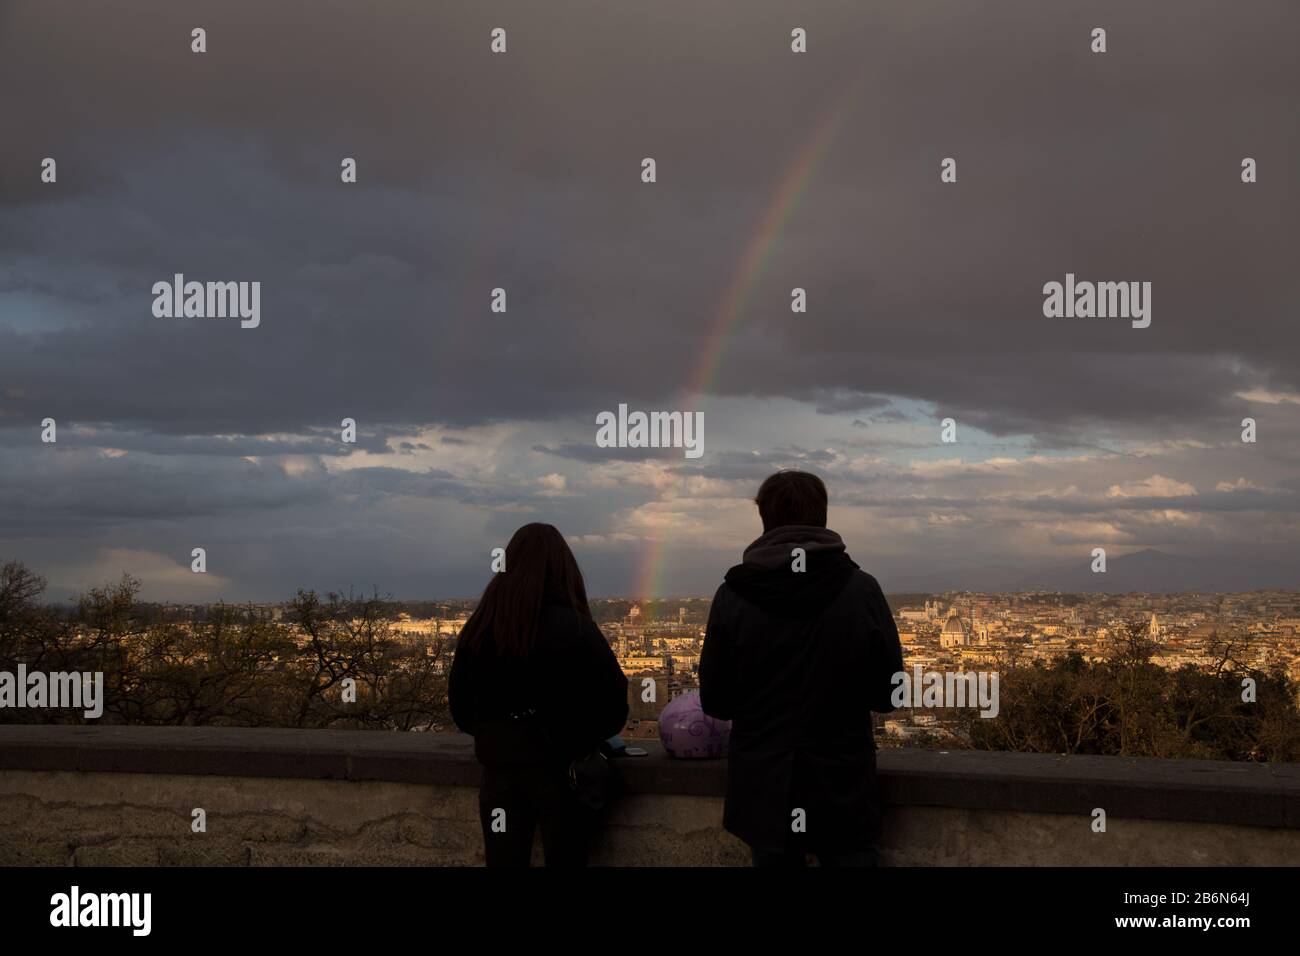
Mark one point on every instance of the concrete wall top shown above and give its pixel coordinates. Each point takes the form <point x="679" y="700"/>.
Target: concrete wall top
<point x="1210" y="791"/>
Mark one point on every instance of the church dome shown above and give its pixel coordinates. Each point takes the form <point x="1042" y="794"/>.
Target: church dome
<point x="953" y="627"/>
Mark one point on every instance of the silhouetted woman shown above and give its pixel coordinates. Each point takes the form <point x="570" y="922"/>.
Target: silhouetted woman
<point x="537" y="685"/>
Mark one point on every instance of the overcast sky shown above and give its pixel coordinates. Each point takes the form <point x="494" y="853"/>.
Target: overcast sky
<point x="522" y="171"/>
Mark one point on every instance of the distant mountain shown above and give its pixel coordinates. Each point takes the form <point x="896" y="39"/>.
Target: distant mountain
<point x="1148" y="570"/>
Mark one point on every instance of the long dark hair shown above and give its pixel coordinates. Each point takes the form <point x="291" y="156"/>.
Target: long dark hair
<point x="539" y="567"/>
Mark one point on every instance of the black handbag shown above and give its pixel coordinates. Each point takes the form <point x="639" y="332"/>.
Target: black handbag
<point x="592" y="779"/>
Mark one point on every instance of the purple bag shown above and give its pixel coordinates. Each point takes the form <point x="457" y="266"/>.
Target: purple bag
<point x="687" y="731"/>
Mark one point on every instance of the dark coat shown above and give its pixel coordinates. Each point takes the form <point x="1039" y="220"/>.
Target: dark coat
<point x="571" y="679"/>
<point x="798" y="660"/>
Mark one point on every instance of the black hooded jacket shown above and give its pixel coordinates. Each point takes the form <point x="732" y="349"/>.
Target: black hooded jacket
<point x="798" y="659"/>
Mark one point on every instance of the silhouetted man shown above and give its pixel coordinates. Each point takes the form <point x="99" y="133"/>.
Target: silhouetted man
<point x="801" y="647"/>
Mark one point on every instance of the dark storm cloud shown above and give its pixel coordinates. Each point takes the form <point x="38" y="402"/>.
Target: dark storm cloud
<point x="591" y="454"/>
<point x="238" y="446"/>
<point x="521" y="171"/>
<point x="890" y="414"/>
<point x="433" y="483"/>
<point x="838" y="400"/>
<point x="77" y="489"/>
<point x="1081" y="505"/>
<point x="80" y="491"/>
<point x="754" y="466"/>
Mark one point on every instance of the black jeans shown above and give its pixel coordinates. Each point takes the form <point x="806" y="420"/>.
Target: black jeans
<point x="514" y="801"/>
<point x="797" y="858"/>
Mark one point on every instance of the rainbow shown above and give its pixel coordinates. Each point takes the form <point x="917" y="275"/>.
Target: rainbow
<point x="758" y="252"/>
<point x="750" y="268"/>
